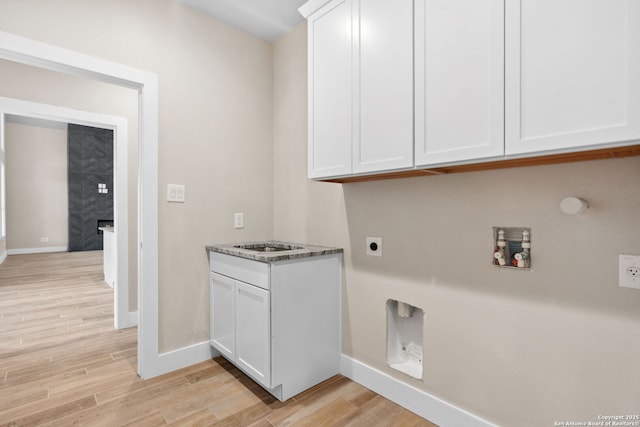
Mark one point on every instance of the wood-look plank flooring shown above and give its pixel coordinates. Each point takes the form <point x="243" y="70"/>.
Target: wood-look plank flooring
<point x="63" y="364"/>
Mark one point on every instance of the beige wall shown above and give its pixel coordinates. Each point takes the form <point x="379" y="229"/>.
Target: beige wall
<point x="215" y="127"/>
<point x="519" y="348"/>
<point x="558" y="343"/>
<point x="36" y="185"/>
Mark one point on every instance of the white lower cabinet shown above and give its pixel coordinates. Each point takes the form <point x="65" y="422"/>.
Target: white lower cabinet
<point x="223" y="315"/>
<point x="253" y="327"/>
<point x="278" y="322"/>
<point x="241" y="325"/>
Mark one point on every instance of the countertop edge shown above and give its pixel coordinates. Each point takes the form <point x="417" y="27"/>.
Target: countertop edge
<point x="307" y="251"/>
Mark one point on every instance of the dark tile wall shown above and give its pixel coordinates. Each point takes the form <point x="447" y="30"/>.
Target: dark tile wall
<point x="90" y="162"/>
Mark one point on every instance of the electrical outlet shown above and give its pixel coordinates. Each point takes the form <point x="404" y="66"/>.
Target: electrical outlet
<point x="374" y="246"/>
<point x="629" y="271"/>
<point x="238" y="220"/>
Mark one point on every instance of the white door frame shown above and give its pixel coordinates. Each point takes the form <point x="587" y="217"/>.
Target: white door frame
<point x="42" y="55"/>
<point x="121" y="316"/>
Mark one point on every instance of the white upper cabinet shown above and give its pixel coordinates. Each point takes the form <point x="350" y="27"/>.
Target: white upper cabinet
<point x="419" y="84"/>
<point x="459" y="80"/>
<point x="383" y="85"/>
<point x="572" y="74"/>
<point x="330" y="90"/>
<point x="360" y="86"/>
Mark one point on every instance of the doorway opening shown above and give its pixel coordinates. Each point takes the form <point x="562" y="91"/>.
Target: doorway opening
<point x="42" y="55"/>
<point x="123" y="318"/>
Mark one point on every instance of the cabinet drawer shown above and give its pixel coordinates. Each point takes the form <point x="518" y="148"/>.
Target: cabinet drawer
<point x="245" y="270"/>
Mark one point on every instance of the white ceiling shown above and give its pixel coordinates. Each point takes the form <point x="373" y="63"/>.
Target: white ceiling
<point x="266" y="19"/>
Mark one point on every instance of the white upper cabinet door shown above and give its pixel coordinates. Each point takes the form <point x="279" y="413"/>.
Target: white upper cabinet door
<point x="459" y="72"/>
<point x="330" y="90"/>
<point x="383" y="92"/>
<point x="572" y="74"/>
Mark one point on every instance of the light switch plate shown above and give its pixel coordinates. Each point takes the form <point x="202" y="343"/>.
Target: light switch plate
<point x="629" y="271"/>
<point x="175" y="193"/>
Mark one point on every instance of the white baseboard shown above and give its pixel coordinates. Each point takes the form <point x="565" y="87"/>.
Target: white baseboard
<point x="129" y="321"/>
<point x="415" y="400"/>
<point x="3" y="256"/>
<point x="132" y="319"/>
<point x="181" y="358"/>
<point x="37" y="250"/>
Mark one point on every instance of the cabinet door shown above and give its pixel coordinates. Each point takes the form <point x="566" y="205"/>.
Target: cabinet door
<point x="459" y="90"/>
<point x="330" y="90"/>
<point x="383" y="92"/>
<point x="253" y="332"/>
<point x="222" y="328"/>
<point x="572" y="70"/>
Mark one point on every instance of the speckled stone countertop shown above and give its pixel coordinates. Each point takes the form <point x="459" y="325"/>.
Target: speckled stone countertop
<point x="300" y="250"/>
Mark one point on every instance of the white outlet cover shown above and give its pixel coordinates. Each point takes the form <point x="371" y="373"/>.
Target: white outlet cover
<point x="238" y="220"/>
<point x="377" y="241"/>
<point x="175" y="193"/>
<point x="629" y="271"/>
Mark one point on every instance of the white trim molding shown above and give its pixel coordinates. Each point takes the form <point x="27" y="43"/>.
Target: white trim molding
<point x="415" y="400"/>
<point x="23" y="251"/>
<point x="183" y="357"/>
<point x="43" y="55"/>
<point x="3" y="256"/>
<point x="311" y="6"/>
<point x="132" y="319"/>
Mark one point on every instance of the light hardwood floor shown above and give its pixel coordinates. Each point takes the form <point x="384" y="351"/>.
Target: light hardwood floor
<point x="63" y="364"/>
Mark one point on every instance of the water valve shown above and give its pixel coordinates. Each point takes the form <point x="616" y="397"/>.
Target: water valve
<point x="522" y="259"/>
<point x="512" y="247"/>
<point x="498" y="254"/>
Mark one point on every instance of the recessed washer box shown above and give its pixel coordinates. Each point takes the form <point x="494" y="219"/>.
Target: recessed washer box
<point x="405" y="324"/>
